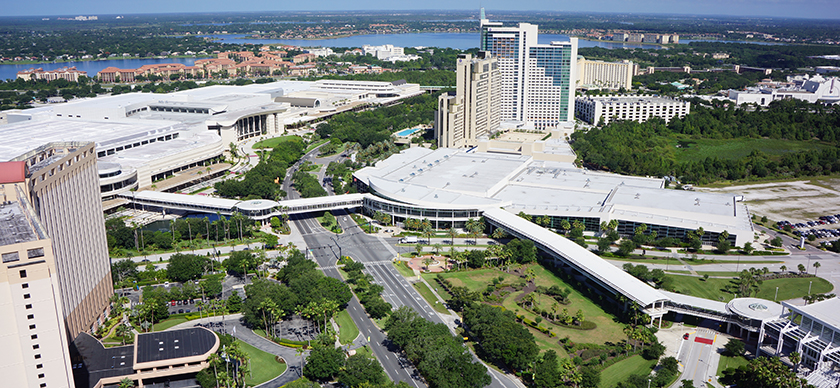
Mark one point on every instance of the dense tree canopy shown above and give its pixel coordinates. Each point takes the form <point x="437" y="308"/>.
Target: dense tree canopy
<point x="438" y="355"/>
<point x="499" y="338"/>
<point x="651" y="148"/>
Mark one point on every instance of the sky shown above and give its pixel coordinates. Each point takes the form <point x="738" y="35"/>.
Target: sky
<point x="777" y="8"/>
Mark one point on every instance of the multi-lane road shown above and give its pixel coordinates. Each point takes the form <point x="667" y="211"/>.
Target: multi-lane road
<point x="697" y="354"/>
<point x="376" y="253"/>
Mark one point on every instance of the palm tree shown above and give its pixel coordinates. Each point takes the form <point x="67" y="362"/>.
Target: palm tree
<point x="783" y="268"/>
<point x="817" y="266"/>
<point x="438" y="247"/>
<point x="795" y="358"/>
<point x="452" y="232"/>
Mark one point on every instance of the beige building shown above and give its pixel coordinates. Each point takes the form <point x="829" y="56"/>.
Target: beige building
<point x="603" y="110"/>
<point x="66" y="73"/>
<point x="32" y="328"/>
<point x="474" y="109"/>
<point x="62" y="184"/>
<point x="605" y="75"/>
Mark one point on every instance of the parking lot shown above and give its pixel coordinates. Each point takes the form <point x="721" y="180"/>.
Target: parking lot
<point x="797" y="201"/>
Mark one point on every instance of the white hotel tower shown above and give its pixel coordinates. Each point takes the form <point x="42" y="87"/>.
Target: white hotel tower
<point x="537" y="79"/>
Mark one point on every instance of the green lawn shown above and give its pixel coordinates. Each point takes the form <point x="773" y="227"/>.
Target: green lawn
<point x="403" y="269"/>
<point x="695" y="150"/>
<point x="263" y="365"/>
<point x="430" y="297"/>
<point x="710" y="273"/>
<point x="170" y="322"/>
<point x="676" y="263"/>
<point x="273" y="142"/>
<point x="607" y="330"/>
<point x="727" y="362"/>
<point x="621" y="370"/>
<point x="713" y="289"/>
<point x="347" y="329"/>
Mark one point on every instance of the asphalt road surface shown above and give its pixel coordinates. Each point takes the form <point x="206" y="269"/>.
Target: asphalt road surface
<point x="696" y="356"/>
<point x="376" y="253"/>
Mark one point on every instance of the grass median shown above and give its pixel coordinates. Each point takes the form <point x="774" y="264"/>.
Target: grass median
<point x="264" y="366"/>
<point x="430" y="297"/>
<point x="347" y="329"/>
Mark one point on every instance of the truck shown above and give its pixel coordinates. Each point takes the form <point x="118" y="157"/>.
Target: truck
<point x="409" y="240"/>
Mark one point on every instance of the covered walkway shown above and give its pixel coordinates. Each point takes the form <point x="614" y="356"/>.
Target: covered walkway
<point x="258" y="210"/>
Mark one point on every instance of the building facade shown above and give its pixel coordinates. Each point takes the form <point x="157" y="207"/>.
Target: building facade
<point x="474" y="109"/>
<point x="63" y="185"/>
<point x="32" y="325"/>
<point x="65" y="73"/>
<point x="537" y="79"/>
<point x="603" y="110"/>
<point x="605" y="75"/>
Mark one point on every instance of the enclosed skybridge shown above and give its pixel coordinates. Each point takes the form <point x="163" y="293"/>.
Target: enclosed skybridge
<point x="259" y="210"/>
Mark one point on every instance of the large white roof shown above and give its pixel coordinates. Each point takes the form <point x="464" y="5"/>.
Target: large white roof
<point x="827" y="311"/>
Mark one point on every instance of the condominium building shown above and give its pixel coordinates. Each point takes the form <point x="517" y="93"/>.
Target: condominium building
<point x="537" y="79"/>
<point x="32" y="325"/>
<point x="473" y="110"/>
<point x="605" y="75"/>
<point x="66" y="73"/>
<point x="603" y="110"/>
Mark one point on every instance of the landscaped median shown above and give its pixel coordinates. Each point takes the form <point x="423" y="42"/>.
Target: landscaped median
<point x="264" y="366"/>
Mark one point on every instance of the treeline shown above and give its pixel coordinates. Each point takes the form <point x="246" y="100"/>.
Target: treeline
<point x="439" y="356"/>
<point x="376" y="125"/>
<point x="711" y="82"/>
<point x="122" y="237"/>
<point x="264" y="181"/>
<point x="697" y="55"/>
<point x="301" y="289"/>
<point x="646" y="148"/>
<point x="425" y="77"/>
<point x="307" y="184"/>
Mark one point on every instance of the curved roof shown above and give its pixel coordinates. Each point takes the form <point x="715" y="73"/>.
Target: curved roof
<point x="754" y="308"/>
<point x="257" y="205"/>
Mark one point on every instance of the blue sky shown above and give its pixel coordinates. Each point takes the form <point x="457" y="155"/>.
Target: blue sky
<point x="779" y="8"/>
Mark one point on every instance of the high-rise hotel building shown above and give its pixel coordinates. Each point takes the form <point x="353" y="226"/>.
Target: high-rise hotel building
<point x="538" y="80"/>
<point x="473" y="110"/>
<point x="55" y="275"/>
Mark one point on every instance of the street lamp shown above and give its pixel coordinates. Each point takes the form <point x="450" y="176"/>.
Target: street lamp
<point x="809" y="286"/>
<point x="648" y="383"/>
<point x="777" y="294"/>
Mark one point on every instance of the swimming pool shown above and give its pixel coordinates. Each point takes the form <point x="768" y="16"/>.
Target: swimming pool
<point x="407" y="132"/>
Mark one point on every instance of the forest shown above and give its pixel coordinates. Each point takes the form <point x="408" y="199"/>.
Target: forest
<point x="265" y="179"/>
<point x="654" y="148"/>
<point x="373" y="126"/>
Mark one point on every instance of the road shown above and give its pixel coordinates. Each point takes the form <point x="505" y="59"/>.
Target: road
<point x="699" y="359"/>
<point x="376" y="253"/>
<point x="310" y="156"/>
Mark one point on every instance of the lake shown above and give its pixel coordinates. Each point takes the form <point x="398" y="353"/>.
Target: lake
<point x="9" y="71"/>
<point x="461" y="41"/>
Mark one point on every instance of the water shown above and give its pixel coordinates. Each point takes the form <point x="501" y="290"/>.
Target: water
<point x="460" y="41"/>
<point x="9" y="71"/>
<point x="406" y="132"/>
<point x="687" y="41"/>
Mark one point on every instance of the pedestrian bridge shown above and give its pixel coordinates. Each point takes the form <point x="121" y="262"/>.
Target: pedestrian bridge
<point x="611" y="279"/>
<point x="259" y="209"/>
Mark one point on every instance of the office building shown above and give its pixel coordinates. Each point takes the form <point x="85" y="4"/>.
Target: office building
<point x="603" y="110"/>
<point x="32" y="324"/>
<point x="474" y="109"/>
<point x="384" y="51"/>
<point x="815" y="89"/>
<point x="537" y="79"/>
<point x="605" y="75"/>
